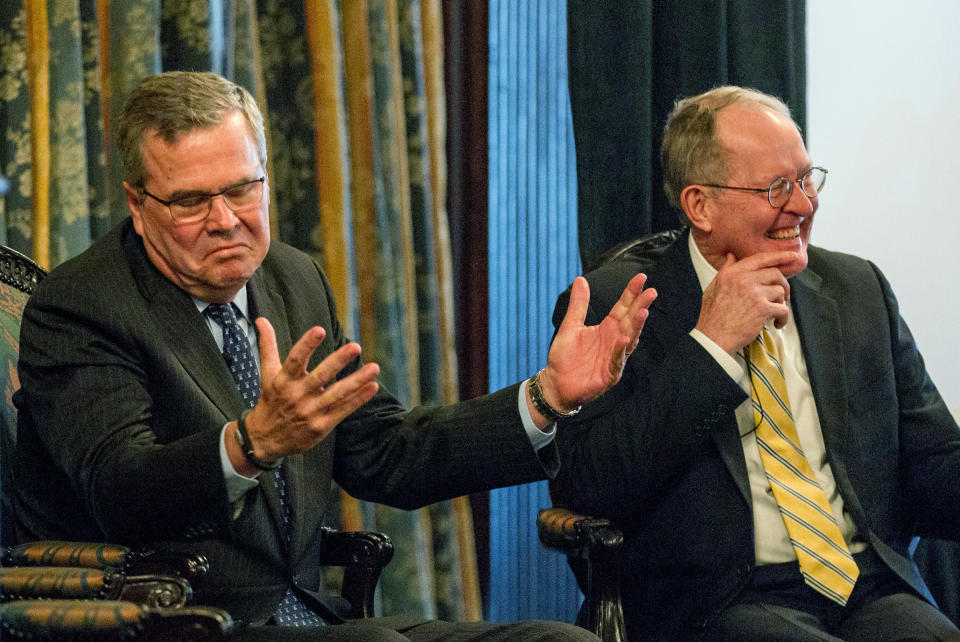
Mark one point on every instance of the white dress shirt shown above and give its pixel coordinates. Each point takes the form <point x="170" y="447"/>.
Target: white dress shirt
<point x="771" y="542"/>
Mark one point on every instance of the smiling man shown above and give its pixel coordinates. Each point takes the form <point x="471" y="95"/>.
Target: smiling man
<point x="186" y="385"/>
<point x="775" y="441"/>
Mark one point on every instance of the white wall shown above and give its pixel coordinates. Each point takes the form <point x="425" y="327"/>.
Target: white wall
<point x="883" y="115"/>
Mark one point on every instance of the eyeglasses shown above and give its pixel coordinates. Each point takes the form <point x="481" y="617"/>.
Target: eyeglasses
<point x="196" y="207"/>
<point x="781" y="189"/>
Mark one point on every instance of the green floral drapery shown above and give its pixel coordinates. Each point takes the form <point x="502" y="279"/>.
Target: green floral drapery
<point x="353" y="94"/>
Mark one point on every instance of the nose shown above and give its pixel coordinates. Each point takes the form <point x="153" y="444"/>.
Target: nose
<point x="221" y="216"/>
<point x="799" y="203"/>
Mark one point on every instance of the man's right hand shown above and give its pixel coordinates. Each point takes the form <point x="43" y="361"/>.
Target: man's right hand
<point x="745" y="294"/>
<point x="299" y="408"/>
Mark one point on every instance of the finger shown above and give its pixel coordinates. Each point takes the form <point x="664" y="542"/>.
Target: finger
<point x="773" y="276"/>
<point x="327" y="370"/>
<point x="773" y="293"/>
<point x="295" y="365"/>
<point x="632" y="294"/>
<point x="769" y="259"/>
<point x="267" y="346"/>
<point x="579" y="302"/>
<point x="638" y="322"/>
<point x="639" y="312"/>
<point x="631" y="300"/>
<point x="348" y="405"/>
<point x="343" y="388"/>
<point x="344" y="396"/>
<point x="618" y="358"/>
<point x="780" y="315"/>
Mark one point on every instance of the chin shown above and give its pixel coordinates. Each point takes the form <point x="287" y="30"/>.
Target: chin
<point x="237" y="281"/>
<point x="796" y="267"/>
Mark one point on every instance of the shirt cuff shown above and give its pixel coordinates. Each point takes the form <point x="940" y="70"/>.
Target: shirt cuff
<point x="730" y="365"/>
<point x="237" y="484"/>
<point x="538" y="438"/>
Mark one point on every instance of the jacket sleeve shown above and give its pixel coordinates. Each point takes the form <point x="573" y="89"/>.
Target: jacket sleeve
<point x="626" y="448"/>
<point x="408" y="459"/>
<point x="929" y="436"/>
<point x="87" y="413"/>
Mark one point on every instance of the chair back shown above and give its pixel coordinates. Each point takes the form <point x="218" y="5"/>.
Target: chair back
<point x="18" y="277"/>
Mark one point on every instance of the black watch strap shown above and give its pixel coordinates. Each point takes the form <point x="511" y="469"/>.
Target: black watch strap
<point x="247" y="447"/>
<point x="541" y="404"/>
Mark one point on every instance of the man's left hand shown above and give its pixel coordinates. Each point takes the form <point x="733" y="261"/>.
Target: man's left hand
<point x="585" y="361"/>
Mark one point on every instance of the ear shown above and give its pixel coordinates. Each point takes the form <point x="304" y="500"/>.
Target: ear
<point x="698" y="206"/>
<point x="135" y="203"/>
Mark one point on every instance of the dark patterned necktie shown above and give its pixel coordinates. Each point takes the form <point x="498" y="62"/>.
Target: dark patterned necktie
<point x="239" y="357"/>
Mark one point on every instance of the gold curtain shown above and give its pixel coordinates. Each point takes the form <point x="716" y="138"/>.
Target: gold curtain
<point x="352" y="91"/>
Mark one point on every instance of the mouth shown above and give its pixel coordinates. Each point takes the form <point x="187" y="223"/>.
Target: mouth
<point x="784" y="234"/>
<point x="227" y="249"/>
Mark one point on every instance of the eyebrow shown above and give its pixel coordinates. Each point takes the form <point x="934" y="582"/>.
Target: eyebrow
<point x="196" y="192"/>
<point x="806" y="169"/>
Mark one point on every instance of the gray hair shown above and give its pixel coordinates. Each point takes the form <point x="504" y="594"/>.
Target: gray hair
<point x="691" y="152"/>
<point x="176" y="103"/>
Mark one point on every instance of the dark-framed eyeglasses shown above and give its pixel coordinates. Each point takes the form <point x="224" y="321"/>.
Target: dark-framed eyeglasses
<point x="781" y="189"/>
<point x="196" y="207"/>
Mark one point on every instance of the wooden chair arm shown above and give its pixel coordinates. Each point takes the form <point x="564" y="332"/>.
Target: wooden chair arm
<point x="596" y="548"/>
<point x="100" y="555"/>
<point x="63" y="553"/>
<point x="66" y="583"/>
<point x="110" y="620"/>
<point x="363" y="554"/>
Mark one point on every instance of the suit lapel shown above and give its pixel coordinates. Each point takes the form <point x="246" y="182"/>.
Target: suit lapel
<point x="821" y="337"/>
<point x="302" y="481"/>
<point x="177" y="317"/>
<point x="818" y="323"/>
<point x="267" y="303"/>
<point x="676" y="311"/>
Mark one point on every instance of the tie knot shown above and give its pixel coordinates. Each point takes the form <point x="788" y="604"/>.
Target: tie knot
<point x="224" y="314"/>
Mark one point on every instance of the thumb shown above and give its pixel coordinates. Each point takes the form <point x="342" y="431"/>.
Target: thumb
<point x="267" y="344"/>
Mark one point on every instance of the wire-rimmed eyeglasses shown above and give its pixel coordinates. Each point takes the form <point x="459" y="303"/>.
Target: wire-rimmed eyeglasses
<point x="781" y="189"/>
<point x="196" y="207"/>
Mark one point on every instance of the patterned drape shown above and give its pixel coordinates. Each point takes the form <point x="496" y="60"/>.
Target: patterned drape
<point x="353" y="97"/>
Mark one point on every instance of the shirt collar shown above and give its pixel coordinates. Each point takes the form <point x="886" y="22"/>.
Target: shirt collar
<point x="240" y="301"/>
<point x="705" y="272"/>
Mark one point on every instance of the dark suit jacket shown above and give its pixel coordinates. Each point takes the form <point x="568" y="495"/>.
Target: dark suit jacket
<point x="124" y="395"/>
<point x="661" y="452"/>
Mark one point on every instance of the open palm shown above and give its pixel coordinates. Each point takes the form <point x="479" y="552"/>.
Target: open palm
<point x="585" y="361"/>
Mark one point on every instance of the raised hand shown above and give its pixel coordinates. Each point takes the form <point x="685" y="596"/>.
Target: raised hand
<point x="585" y="361"/>
<point x="745" y="295"/>
<point x="298" y="408"/>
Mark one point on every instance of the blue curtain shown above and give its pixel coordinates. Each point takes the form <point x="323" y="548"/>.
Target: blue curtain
<point x="532" y="258"/>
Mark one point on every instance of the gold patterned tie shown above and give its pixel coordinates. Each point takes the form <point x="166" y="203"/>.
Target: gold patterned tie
<point x="825" y="560"/>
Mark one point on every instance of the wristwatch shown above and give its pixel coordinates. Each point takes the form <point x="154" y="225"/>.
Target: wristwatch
<point x="243" y="439"/>
<point x="544" y="408"/>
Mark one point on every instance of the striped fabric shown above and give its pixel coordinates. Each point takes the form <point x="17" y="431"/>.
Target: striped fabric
<point x="825" y="561"/>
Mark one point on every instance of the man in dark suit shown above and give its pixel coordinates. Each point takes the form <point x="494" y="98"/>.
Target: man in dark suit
<point x="186" y="383"/>
<point x="693" y="455"/>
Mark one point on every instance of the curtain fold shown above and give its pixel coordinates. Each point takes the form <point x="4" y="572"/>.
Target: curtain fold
<point x="352" y="96"/>
<point x="665" y="49"/>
